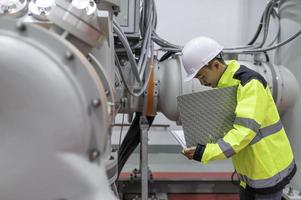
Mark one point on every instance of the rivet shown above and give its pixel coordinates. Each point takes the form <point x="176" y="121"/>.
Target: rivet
<point x="69" y="55"/>
<point x="94" y="154"/>
<point x="96" y="103"/>
<point x="21" y="26"/>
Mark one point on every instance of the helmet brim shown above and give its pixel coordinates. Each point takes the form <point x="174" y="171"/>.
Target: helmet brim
<point x="191" y="76"/>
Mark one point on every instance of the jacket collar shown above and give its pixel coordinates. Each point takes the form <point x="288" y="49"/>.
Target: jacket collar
<point x="227" y="79"/>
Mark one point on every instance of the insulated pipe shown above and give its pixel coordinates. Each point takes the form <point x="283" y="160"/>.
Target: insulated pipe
<point x="171" y="74"/>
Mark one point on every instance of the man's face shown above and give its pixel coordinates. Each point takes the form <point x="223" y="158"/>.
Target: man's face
<point x="208" y="76"/>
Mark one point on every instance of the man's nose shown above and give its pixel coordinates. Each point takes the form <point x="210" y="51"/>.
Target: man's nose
<point x="202" y="81"/>
<point x="201" y="78"/>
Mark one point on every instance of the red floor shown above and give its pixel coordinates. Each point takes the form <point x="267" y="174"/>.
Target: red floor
<point x="185" y="176"/>
<point x="203" y="197"/>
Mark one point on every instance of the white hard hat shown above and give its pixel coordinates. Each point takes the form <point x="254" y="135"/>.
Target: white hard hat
<point x="197" y="53"/>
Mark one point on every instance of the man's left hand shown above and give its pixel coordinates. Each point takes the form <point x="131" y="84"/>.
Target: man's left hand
<point x="189" y="152"/>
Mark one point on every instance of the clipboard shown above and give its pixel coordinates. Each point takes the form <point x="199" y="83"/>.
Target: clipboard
<point x="179" y="136"/>
<point x="208" y="115"/>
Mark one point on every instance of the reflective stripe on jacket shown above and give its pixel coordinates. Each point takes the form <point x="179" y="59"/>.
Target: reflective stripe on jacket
<point x="258" y="144"/>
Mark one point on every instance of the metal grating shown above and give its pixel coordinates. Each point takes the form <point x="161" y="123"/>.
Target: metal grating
<point x="207" y="116"/>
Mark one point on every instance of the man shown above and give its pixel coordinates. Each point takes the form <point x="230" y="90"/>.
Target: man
<point x="260" y="150"/>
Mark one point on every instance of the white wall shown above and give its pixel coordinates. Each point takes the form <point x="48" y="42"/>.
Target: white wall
<point x="181" y="20"/>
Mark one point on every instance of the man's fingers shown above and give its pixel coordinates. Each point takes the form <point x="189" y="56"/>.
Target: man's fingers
<point x="189" y="150"/>
<point x="189" y="155"/>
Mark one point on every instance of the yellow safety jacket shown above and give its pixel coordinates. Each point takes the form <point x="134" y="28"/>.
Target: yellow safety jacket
<point x="260" y="150"/>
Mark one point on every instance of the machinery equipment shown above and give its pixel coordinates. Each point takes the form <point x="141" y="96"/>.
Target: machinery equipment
<point x="67" y="68"/>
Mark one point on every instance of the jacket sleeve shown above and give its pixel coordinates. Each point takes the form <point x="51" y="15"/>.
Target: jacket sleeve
<point x="250" y="111"/>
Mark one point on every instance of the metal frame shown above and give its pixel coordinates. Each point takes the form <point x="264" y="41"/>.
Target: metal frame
<point x="144" y="157"/>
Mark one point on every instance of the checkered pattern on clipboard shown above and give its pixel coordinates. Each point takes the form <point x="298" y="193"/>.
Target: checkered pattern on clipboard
<point x="208" y="115"/>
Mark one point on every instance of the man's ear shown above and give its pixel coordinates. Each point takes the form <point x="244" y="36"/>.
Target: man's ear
<point x="215" y="64"/>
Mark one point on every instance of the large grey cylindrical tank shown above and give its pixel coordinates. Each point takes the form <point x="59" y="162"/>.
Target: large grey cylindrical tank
<point x="54" y="118"/>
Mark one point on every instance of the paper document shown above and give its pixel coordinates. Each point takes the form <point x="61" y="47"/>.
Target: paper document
<point x="179" y="136"/>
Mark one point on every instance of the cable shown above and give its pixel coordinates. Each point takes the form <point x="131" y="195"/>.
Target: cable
<point x="238" y="47"/>
<point x="129" y="143"/>
<point x="232" y="178"/>
<point x="170" y="49"/>
<point x="146" y="48"/>
<point x="125" y="43"/>
<point x="163" y="43"/>
<point x="142" y="18"/>
<point x="148" y="25"/>
<point x="269" y="11"/>
<point x="267" y="23"/>
<point x="142" y="62"/>
<point x="131" y="140"/>
<point x="259" y="28"/>
<point x="166" y="56"/>
<point x="278" y="32"/>
<point x="267" y="58"/>
<point x="121" y="73"/>
<point x="141" y="90"/>
<point x="269" y="48"/>
<point x="133" y="47"/>
<point x="263" y="25"/>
